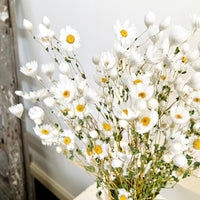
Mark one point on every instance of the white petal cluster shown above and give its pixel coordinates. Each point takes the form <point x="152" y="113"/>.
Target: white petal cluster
<point x="17" y="110"/>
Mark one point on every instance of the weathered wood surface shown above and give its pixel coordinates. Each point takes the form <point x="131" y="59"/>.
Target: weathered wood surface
<point x="10" y="129"/>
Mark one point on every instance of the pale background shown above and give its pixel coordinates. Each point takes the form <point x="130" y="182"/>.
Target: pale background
<point x="94" y="20"/>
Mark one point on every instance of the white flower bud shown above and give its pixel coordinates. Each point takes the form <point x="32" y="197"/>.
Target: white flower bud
<point x="123" y="123"/>
<point x="152" y="104"/>
<point x="49" y="102"/>
<point x="167" y="158"/>
<point x="48" y="69"/>
<point x="17" y="110"/>
<point x="19" y="92"/>
<point x="165" y="23"/>
<point x="149" y="19"/>
<point x="78" y="128"/>
<point x="28" y="25"/>
<point x="185" y="47"/>
<point x="71" y="114"/>
<point x="36" y="114"/>
<point x="58" y="149"/>
<point x="64" y="68"/>
<point x="96" y="59"/>
<point x="180" y="160"/>
<point x="46" y="21"/>
<point x="113" y="73"/>
<point x="93" y="134"/>
<point x="116" y="163"/>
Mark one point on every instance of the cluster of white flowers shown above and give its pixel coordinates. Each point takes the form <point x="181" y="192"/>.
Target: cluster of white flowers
<point x="144" y="117"/>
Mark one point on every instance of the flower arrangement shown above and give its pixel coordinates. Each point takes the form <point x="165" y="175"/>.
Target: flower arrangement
<point x="139" y="130"/>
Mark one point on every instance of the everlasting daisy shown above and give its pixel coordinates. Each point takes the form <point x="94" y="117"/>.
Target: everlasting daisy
<point x="64" y="68"/>
<point x="149" y="19"/>
<point x="135" y="59"/>
<point x="81" y="109"/>
<point x="46" y="21"/>
<point x="178" y="35"/>
<point x="125" y="33"/>
<point x="30" y="69"/>
<point x="146" y="121"/>
<point x="141" y="92"/>
<point x="180" y="161"/>
<point x="179" y="114"/>
<point x="64" y="91"/>
<point x="45" y="131"/>
<point x="106" y="128"/>
<point x="100" y="150"/>
<point x="48" y="69"/>
<point x="67" y="139"/>
<point x="107" y="60"/>
<point x="123" y="194"/>
<point x="17" y="110"/>
<point x="69" y="39"/>
<point x="194" y="147"/>
<point x="153" y="55"/>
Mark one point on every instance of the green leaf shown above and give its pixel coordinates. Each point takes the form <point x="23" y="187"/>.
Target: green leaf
<point x="90" y="168"/>
<point x="67" y="60"/>
<point x="186" y="174"/>
<point x="177" y="51"/>
<point x="196" y="165"/>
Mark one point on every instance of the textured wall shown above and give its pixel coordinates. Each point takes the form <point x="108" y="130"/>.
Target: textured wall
<point x="94" y="20"/>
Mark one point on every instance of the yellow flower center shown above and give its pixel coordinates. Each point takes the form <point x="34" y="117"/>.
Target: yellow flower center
<point x="89" y="152"/>
<point x="145" y="121"/>
<point x="45" y="132"/>
<point x="124" y="33"/>
<point x="66" y="93"/>
<point x="80" y="108"/>
<point x="29" y="69"/>
<point x="196" y="144"/>
<point x="163" y="78"/>
<point x="137" y="81"/>
<point x="67" y="109"/>
<point x="70" y="39"/>
<point x="107" y="127"/>
<point x="67" y="140"/>
<point x="104" y="80"/>
<point x="142" y="95"/>
<point x="179" y="116"/>
<point x="125" y="111"/>
<point x="196" y="100"/>
<point x="43" y="39"/>
<point x="122" y="197"/>
<point x="98" y="149"/>
<point x="184" y="59"/>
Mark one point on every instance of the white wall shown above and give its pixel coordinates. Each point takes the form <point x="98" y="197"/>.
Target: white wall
<point x="94" y="20"/>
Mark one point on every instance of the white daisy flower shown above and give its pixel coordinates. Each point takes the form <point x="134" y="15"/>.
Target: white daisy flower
<point x="177" y="144"/>
<point x="153" y="54"/>
<point x="141" y="92"/>
<point x="194" y="147"/>
<point x="120" y="50"/>
<point x="146" y="121"/>
<point x="45" y="131"/>
<point x="36" y="114"/>
<point x="81" y="109"/>
<point x="133" y="80"/>
<point x="178" y="35"/>
<point x="64" y="91"/>
<point x="100" y="149"/>
<point x="30" y="69"/>
<point x="17" y="110"/>
<point x="179" y="114"/>
<point x="135" y="59"/>
<point x="123" y="194"/>
<point x="48" y="69"/>
<point x="124" y="111"/>
<point x="125" y="34"/>
<point x="69" y="39"/>
<point x="67" y="139"/>
<point x="106" y="128"/>
<point x="107" y="60"/>
<point x="101" y="79"/>
<point x="41" y="93"/>
<point x="116" y="163"/>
